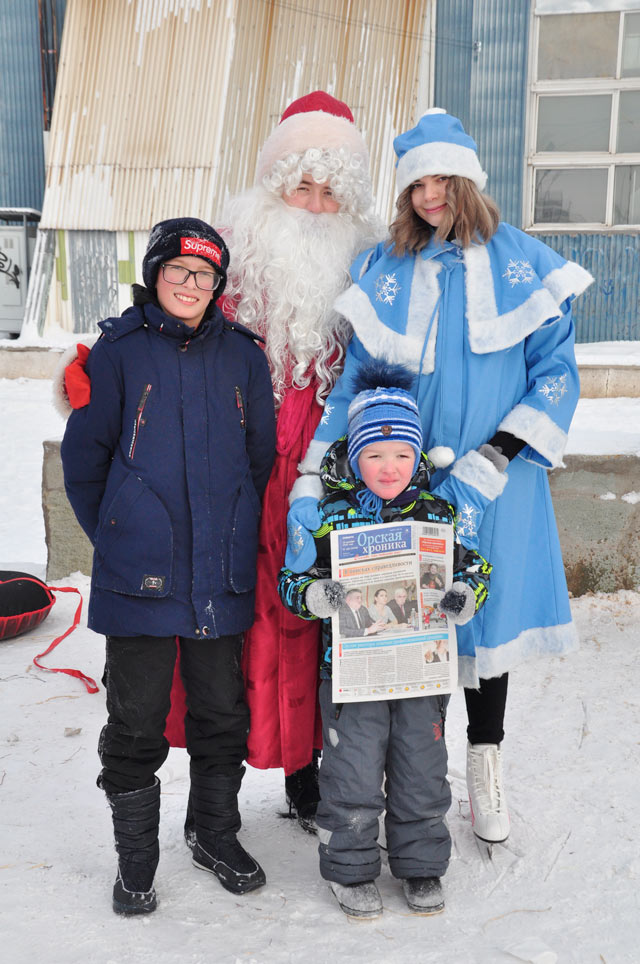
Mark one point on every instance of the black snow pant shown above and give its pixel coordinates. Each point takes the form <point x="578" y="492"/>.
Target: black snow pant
<point x="138" y="677"/>
<point x="485" y="710"/>
<point x="364" y="743"/>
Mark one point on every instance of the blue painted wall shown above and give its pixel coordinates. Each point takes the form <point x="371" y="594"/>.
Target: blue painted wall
<point x="21" y="101"/>
<point x="610" y="309"/>
<point x="481" y="77"/>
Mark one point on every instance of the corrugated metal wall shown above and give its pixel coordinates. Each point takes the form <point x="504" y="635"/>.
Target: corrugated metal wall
<point x="161" y="106"/>
<point x="481" y="77"/>
<point x="136" y="130"/>
<point x="370" y="53"/>
<point x="21" y="102"/>
<point x="609" y="310"/>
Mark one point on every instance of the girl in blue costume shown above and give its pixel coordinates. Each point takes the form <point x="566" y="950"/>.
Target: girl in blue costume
<point x="481" y="312"/>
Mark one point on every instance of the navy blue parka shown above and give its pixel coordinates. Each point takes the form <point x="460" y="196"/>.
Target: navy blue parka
<point x="165" y="469"/>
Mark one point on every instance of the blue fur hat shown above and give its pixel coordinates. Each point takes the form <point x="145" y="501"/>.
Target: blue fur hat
<point x="384" y="412"/>
<point x="437" y="144"/>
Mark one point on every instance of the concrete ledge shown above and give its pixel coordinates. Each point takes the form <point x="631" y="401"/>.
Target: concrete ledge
<point x="16" y="362"/>
<point x="596" y="381"/>
<point x="600" y="538"/>
<point x="68" y="549"/>
<point x="605" y="381"/>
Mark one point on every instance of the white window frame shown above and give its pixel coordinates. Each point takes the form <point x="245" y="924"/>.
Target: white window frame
<point x="582" y="160"/>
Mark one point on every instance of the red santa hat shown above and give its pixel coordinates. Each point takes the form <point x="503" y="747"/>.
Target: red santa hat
<point x="315" y="120"/>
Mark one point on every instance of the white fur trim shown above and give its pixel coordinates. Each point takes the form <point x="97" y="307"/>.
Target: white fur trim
<point x="570" y="279"/>
<point x="316" y="128"/>
<point x="487" y="331"/>
<point x="529" y="644"/>
<point x="380" y="340"/>
<point x="365" y="264"/>
<point x="306" y="485"/>
<point x="441" y="456"/>
<point x="538" y="430"/>
<point x="439" y="157"/>
<point x="60" y="397"/>
<point x="475" y="470"/>
<point x="313" y="458"/>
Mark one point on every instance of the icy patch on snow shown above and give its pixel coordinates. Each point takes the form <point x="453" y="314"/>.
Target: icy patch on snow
<point x="534" y="951"/>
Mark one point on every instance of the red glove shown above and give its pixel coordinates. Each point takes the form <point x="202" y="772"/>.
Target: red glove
<point x="77" y="383"/>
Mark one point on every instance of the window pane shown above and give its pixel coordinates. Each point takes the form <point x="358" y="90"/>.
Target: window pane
<point x="626" y="204"/>
<point x="578" y="45"/>
<point x="574" y="123"/>
<point x="629" y="122"/>
<point x="631" y="46"/>
<point x="571" y="197"/>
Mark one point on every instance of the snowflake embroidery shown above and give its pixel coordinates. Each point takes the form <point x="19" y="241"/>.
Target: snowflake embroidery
<point x="554" y="388"/>
<point x="328" y="409"/>
<point x="466" y="521"/>
<point x="387" y="288"/>
<point x="296" y="538"/>
<point x="518" y="273"/>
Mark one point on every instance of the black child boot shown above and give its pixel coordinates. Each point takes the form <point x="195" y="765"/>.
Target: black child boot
<point x="303" y="794"/>
<point x="214" y="799"/>
<point x="136" y="818"/>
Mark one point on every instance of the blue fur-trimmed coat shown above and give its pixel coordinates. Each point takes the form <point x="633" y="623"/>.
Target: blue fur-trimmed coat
<point x="340" y="509"/>
<point x="165" y="469"/>
<point x="489" y="334"/>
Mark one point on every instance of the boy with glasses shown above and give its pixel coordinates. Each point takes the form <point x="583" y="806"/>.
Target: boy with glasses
<point x="165" y="469"/>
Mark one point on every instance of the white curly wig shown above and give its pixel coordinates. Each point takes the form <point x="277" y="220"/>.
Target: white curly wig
<point x="347" y="175"/>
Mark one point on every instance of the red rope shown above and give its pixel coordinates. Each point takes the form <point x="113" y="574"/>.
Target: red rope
<point x="88" y="682"/>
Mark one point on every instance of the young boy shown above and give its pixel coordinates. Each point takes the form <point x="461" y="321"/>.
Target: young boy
<point x="378" y="474"/>
<point x="165" y="468"/>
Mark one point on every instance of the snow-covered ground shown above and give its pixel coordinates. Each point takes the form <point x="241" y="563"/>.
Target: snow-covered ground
<point x="564" y="888"/>
<point x="609" y="353"/>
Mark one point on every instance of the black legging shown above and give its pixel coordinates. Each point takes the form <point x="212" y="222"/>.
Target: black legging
<point x="485" y="710"/>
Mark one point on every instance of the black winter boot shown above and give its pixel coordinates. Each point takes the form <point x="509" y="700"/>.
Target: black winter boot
<point x="303" y="795"/>
<point x="214" y="799"/>
<point x="136" y="818"/>
<point x="190" y="826"/>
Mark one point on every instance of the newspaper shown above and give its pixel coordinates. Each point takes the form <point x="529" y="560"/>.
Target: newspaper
<point x="390" y="641"/>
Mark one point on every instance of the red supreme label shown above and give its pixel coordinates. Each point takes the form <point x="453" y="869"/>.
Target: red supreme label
<point x="200" y="248"/>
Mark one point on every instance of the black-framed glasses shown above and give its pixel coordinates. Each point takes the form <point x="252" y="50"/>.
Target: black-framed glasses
<point x="176" y="274"/>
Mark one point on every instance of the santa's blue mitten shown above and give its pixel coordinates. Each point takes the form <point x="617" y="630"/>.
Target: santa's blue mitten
<point x="302" y="520"/>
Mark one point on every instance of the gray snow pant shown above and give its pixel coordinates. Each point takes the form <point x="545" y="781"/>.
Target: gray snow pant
<point x="404" y="740"/>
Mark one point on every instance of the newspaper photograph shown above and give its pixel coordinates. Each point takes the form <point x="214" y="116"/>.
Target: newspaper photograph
<point x="390" y="640"/>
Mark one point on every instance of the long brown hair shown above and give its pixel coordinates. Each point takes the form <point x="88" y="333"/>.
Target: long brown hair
<point x="470" y="216"/>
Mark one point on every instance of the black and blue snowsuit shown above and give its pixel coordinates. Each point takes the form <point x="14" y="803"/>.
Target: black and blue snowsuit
<point x="388" y="754"/>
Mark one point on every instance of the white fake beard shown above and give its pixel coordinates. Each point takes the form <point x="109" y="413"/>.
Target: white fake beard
<point x="287" y="267"/>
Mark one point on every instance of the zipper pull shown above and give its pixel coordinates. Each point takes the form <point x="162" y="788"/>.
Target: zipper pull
<point x="240" y="405"/>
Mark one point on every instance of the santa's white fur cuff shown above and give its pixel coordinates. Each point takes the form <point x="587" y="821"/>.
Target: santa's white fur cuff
<point x="475" y="470"/>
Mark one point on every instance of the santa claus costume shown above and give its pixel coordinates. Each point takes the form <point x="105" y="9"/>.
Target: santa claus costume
<point x="287" y="266"/>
